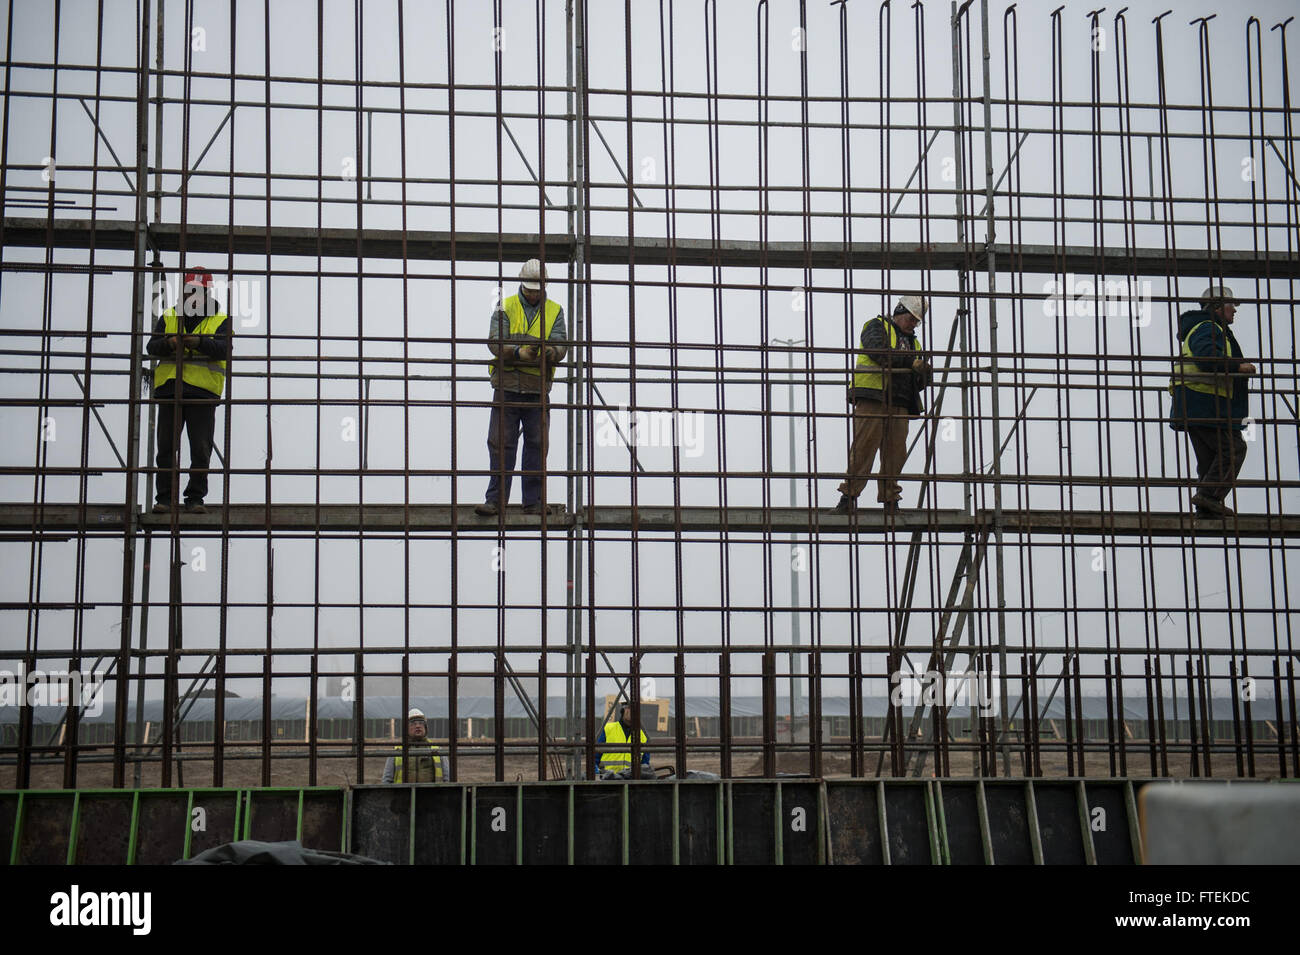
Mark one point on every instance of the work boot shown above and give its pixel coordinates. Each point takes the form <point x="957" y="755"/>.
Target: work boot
<point x="161" y="507"/>
<point x="847" y="505"/>
<point x="486" y="509"/>
<point x="891" y="507"/>
<point x="195" y="507"/>
<point x="1208" y="507"/>
<point x="552" y="510"/>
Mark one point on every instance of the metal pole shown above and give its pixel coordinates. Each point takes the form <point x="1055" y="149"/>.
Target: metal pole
<point x="989" y="236"/>
<point x="575" y="64"/>
<point x="794" y="574"/>
<point x="963" y="278"/>
<point x="153" y="407"/>
<point x="139" y="305"/>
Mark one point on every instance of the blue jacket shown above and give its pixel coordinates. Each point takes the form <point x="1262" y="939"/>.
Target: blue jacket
<point x="1193" y="408"/>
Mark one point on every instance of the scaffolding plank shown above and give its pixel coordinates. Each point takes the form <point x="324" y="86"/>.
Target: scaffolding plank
<point x="422" y="518"/>
<point x="70" y="233"/>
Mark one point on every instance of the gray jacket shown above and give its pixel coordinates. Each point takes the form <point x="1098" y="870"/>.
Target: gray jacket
<point x="504" y="345"/>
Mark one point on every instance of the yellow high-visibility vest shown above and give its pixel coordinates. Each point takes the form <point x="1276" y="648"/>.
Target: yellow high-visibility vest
<point x="519" y="325"/>
<point x="428" y="766"/>
<point x="1188" y="375"/>
<point x="200" y="371"/>
<point x="869" y="373"/>
<point x="617" y="761"/>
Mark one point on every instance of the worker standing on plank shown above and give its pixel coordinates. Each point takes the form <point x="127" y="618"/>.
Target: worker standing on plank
<point x="1211" y="393"/>
<point x="199" y="341"/>
<point x="426" y="761"/>
<point x="527" y="339"/>
<point x="620" y="732"/>
<point x="891" y="373"/>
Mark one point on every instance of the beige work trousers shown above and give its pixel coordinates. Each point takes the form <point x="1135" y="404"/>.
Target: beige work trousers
<point x="876" y="427"/>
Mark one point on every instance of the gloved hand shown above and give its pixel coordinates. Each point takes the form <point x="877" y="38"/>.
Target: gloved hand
<point x="552" y="354"/>
<point x="528" y="353"/>
<point x="921" y="366"/>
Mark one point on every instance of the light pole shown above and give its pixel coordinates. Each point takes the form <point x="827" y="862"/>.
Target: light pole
<point x="794" y="574"/>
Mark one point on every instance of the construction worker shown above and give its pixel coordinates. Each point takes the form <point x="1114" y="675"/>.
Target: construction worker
<point x="527" y="339"/>
<point x="200" y="341"/>
<point x="890" y="375"/>
<point x="1211" y="391"/>
<point x="620" y="731"/>
<point x="426" y="760"/>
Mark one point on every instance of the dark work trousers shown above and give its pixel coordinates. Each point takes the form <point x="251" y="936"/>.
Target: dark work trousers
<point x="513" y="412"/>
<point x="1220" y="452"/>
<point x="199" y="419"/>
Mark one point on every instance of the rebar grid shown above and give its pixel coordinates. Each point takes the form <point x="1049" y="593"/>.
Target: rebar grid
<point x="710" y="253"/>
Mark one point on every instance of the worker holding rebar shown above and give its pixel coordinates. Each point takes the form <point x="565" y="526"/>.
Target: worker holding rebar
<point x="527" y="339"/>
<point x="1211" y="393"/>
<point x="888" y="380"/>
<point x="619" y="732"/>
<point x="199" y="341"/>
<point x="426" y="762"/>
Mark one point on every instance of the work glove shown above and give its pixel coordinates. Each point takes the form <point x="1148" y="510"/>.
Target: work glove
<point x="528" y="353"/>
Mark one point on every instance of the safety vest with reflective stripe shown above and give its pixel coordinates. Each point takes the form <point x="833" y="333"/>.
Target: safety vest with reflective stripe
<point x="617" y="761"/>
<point x="200" y="371"/>
<point x="428" y="766"/>
<point x="1188" y="375"/>
<point x="869" y="374"/>
<point x="520" y="325"/>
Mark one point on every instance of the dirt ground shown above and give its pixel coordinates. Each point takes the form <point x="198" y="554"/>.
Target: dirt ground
<point x="243" y="768"/>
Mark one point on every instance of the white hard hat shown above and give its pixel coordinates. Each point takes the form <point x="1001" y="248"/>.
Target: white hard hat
<point x="533" y="275"/>
<point x="1216" y="294"/>
<point x="415" y="714"/>
<point x="912" y="303"/>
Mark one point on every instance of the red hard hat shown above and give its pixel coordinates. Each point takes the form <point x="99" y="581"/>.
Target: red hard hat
<point x="199" y="277"/>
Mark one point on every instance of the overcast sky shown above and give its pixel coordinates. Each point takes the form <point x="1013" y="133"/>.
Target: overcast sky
<point x="403" y="328"/>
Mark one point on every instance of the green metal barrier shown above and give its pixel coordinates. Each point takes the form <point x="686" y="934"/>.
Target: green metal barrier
<point x="160" y="826"/>
<point x="795" y="821"/>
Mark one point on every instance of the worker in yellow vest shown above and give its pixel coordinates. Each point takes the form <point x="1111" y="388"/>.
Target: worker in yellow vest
<point x="427" y="764"/>
<point x="620" y="732"/>
<point x="527" y="340"/>
<point x="1210" y="389"/>
<point x="890" y="375"/>
<point x="198" y="342"/>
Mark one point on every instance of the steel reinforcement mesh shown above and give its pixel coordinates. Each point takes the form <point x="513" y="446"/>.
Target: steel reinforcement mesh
<point x="723" y="194"/>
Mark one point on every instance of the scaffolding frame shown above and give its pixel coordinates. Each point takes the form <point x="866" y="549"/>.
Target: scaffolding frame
<point x="971" y="604"/>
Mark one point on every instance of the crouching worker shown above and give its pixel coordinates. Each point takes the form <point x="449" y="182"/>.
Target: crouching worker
<point x="620" y="732"/>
